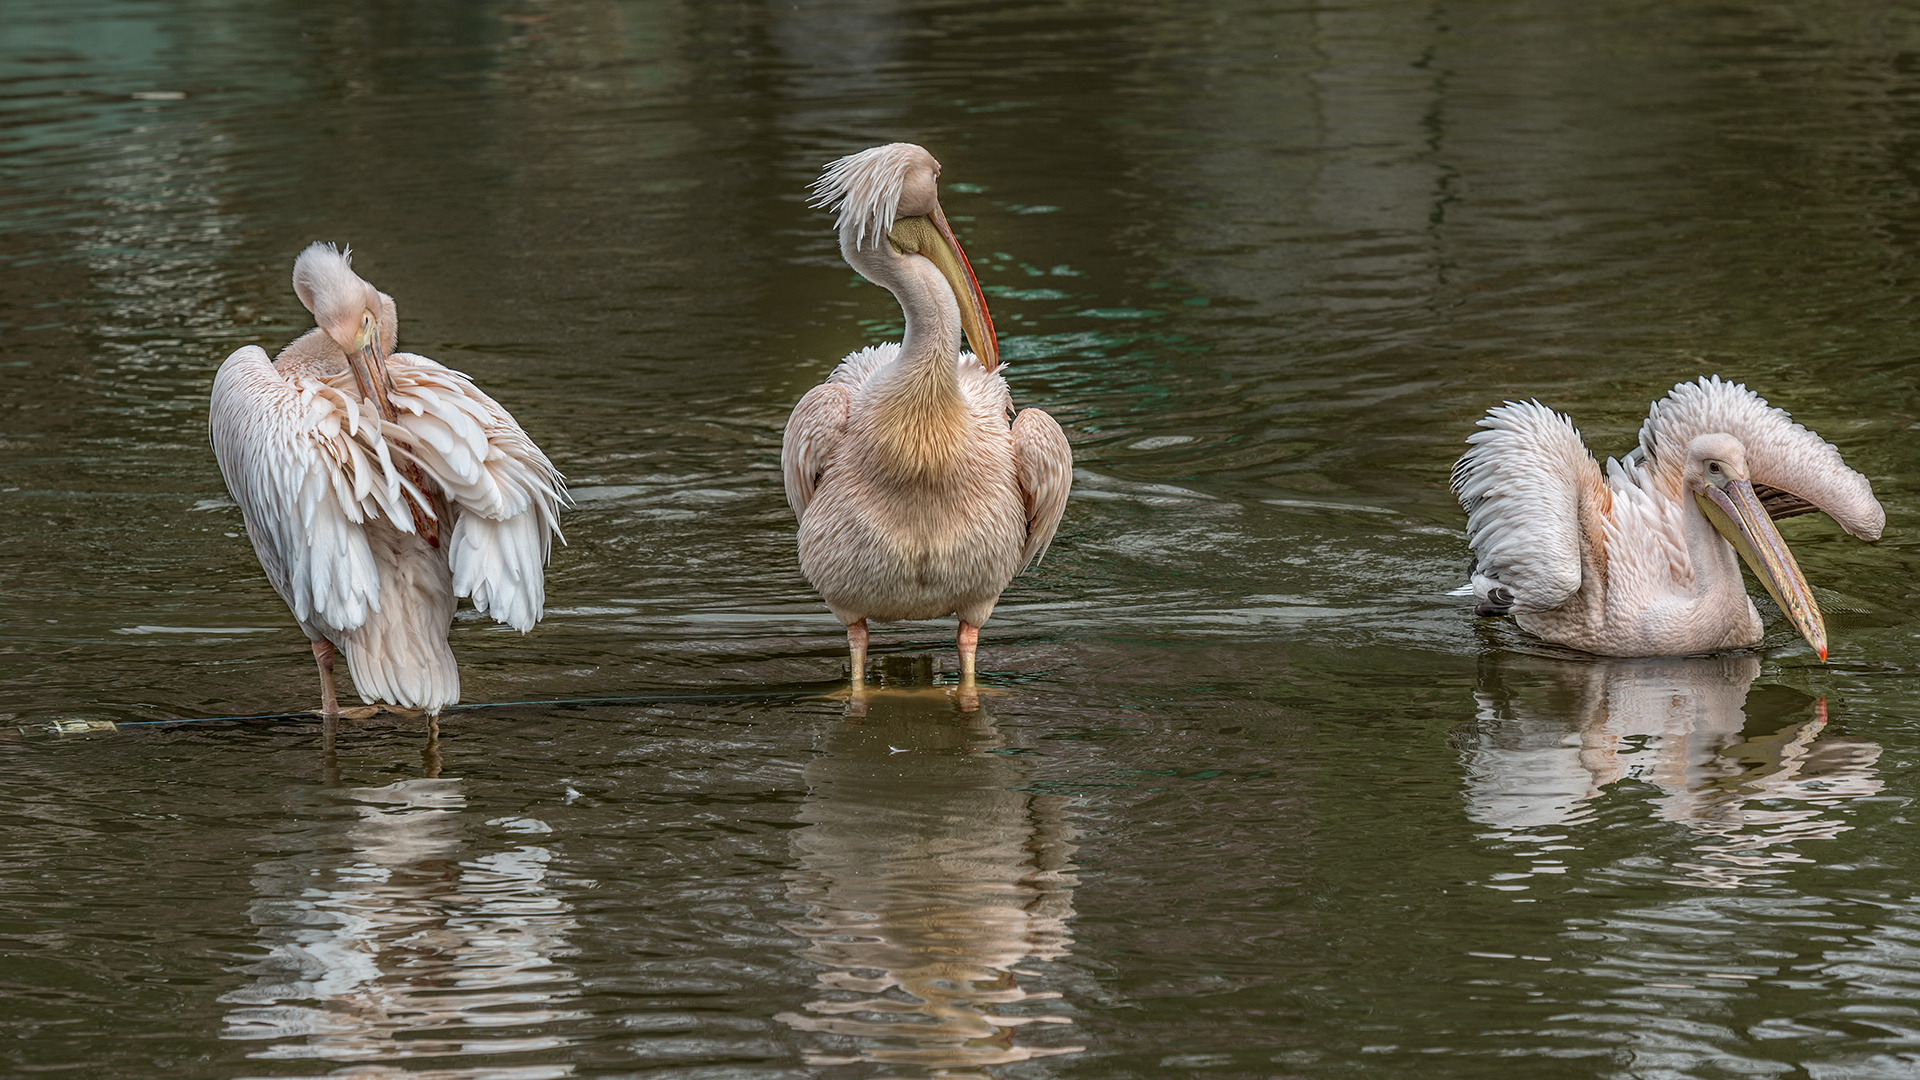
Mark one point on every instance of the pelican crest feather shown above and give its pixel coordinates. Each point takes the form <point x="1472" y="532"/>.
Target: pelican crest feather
<point x="865" y="190"/>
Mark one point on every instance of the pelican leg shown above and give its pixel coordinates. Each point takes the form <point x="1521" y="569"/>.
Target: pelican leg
<point x="968" y="643"/>
<point x="323" y="657"/>
<point x="857" y="645"/>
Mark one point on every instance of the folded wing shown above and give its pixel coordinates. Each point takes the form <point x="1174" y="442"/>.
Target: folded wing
<point x="811" y="440"/>
<point x="307" y="467"/>
<point x="1043" y="463"/>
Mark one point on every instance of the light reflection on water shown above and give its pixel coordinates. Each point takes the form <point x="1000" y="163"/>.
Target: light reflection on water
<point x="385" y="944"/>
<point x="1287" y="255"/>
<point x="930" y="872"/>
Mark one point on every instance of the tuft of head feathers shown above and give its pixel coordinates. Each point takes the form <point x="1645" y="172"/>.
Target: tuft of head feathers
<point x="323" y="278"/>
<point x="865" y="189"/>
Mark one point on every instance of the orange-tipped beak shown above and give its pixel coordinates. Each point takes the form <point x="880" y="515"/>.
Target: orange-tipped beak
<point x="1737" y="514"/>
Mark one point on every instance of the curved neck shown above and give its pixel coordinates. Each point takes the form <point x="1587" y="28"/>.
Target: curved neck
<point x="919" y="411"/>
<point x="1715" y="564"/>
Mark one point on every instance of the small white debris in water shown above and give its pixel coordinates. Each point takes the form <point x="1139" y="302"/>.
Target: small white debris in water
<point x="1155" y="442"/>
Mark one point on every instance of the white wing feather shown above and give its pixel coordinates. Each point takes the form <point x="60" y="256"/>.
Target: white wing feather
<point x="1780" y="453"/>
<point x="1528" y="484"/>
<point x="504" y="494"/>
<point x="309" y="467"/>
<point x="296" y="459"/>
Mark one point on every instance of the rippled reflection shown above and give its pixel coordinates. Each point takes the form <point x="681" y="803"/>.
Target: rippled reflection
<point x="386" y="940"/>
<point x="1554" y="735"/>
<point x="928" y="876"/>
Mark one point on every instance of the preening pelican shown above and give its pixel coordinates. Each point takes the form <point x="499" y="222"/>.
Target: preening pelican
<point x="1641" y="562"/>
<point x="916" y="498"/>
<point x="378" y="486"/>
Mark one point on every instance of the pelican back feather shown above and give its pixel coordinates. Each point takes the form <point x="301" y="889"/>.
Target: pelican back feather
<point x="1643" y="534"/>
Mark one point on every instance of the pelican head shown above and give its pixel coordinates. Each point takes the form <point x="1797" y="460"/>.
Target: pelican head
<point x="1721" y="485"/>
<point x="358" y="317"/>
<point x="888" y="201"/>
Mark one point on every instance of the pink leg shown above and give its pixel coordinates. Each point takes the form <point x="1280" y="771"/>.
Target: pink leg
<point x="857" y="644"/>
<point x="968" y="643"/>
<point x="323" y="656"/>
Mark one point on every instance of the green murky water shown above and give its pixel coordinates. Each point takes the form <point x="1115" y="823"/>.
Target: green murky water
<point x="1254" y="797"/>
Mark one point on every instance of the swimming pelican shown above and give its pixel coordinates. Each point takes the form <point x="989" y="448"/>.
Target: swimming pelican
<point x="1641" y="563"/>
<point x="378" y="486"/>
<point x="916" y="498"/>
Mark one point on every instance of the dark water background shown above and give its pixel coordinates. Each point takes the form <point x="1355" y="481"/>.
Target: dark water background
<point x="1255" y="797"/>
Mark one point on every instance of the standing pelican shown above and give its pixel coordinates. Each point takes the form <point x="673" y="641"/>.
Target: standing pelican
<point x="376" y="487"/>
<point x="1641" y="563"/>
<point x="916" y="498"/>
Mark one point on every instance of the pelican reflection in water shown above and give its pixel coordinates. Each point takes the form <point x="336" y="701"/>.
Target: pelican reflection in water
<point x="929" y="876"/>
<point x="389" y="937"/>
<point x="1751" y="778"/>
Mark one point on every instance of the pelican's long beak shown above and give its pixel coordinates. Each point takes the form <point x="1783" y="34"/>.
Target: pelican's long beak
<point x="930" y="236"/>
<point x="370" y="368"/>
<point x="1736" y="512"/>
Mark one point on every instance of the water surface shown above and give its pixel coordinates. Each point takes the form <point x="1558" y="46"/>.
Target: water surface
<point x="1250" y="794"/>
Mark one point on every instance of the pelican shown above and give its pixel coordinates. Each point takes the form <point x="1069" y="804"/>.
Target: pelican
<point x="916" y="498"/>
<point x="1641" y="562"/>
<point x="376" y="487"/>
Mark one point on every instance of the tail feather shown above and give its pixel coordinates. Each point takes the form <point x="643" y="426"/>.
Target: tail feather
<point x="400" y="653"/>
